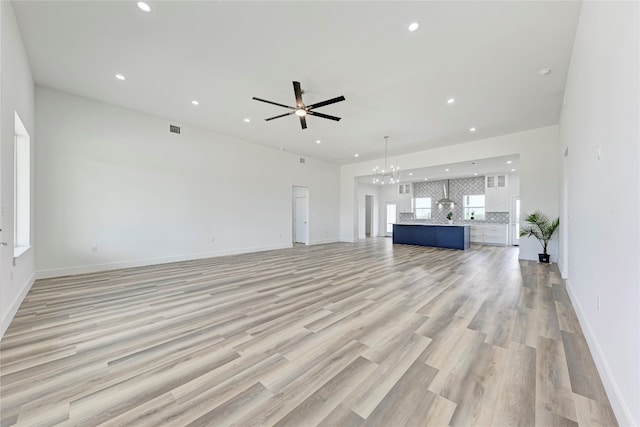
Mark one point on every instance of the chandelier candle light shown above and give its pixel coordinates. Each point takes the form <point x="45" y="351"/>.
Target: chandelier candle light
<point x="386" y="175"/>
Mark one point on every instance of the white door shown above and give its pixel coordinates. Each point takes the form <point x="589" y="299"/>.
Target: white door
<point x="390" y="219"/>
<point x="301" y="219"/>
<point x="515" y="222"/>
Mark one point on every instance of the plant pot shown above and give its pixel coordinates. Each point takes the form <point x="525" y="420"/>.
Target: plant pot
<point x="450" y="221"/>
<point x="543" y="258"/>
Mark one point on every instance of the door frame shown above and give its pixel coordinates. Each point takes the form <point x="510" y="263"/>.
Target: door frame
<point x="368" y="211"/>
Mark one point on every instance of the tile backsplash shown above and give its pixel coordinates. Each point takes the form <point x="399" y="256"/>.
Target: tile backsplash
<point x="491" y="218"/>
<point x="457" y="189"/>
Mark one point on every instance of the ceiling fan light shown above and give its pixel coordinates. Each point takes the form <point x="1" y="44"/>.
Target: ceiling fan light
<point x="301" y="112"/>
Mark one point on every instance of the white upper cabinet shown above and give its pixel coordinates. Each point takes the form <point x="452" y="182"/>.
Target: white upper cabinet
<point x="496" y="193"/>
<point x="404" y="198"/>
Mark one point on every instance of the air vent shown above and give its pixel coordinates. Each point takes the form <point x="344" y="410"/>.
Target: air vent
<point x="303" y="160"/>
<point x="174" y="129"/>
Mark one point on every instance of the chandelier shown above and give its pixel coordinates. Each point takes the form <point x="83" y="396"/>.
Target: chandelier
<point x="386" y="175"/>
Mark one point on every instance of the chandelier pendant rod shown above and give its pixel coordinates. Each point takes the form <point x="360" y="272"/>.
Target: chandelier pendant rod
<point x="386" y="145"/>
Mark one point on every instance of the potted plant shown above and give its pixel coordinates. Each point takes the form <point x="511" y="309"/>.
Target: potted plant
<point x="542" y="228"/>
<point x="473" y="214"/>
<point x="450" y="217"/>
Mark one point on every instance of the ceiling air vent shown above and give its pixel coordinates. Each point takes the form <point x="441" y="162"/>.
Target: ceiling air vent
<point x="174" y="129"/>
<point x="303" y="160"/>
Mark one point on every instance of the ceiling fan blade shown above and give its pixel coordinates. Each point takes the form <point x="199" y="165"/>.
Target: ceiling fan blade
<point x="298" y="92"/>
<point x="324" y="116"/>
<point x="274" y="103"/>
<point x="277" y="117"/>
<point x="327" y="102"/>
<point x="303" y="122"/>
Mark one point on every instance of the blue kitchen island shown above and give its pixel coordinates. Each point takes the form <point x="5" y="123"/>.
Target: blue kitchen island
<point x="448" y="236"/>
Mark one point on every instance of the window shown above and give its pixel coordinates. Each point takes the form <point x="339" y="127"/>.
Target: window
<point x="22" y="188"/>
<point x="473" y="206"/>
<point x="423" y="207"/>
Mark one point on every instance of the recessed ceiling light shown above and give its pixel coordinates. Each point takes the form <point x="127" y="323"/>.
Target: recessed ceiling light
<point x="356" y="155"/>
<point x="545" y="72"/>
<point x="426" y="179"/>
<point x="195" y="102"/>
<point x="513" y="170"/>
<point x="475" y="174"/>
<point x="451" y="100"/>
<point x="410" y="173"/>
<point x="318" y="141"/>
<point x="472" y="129"/>
<point x="247" y="119"/>
<point x="120" y="77"/>
<point x="144" y="6"/>
<point x="414" y="26"/>
<point x="446" y="170"/>
<point x="509" y="162"/>
<point x="281" y="148"/>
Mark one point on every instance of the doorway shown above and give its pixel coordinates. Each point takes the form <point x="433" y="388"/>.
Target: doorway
<point x="390" y="219"/>
<point x="368" y="216"/>
<point x="515" y="222"/>
<point x="300" y="215"/>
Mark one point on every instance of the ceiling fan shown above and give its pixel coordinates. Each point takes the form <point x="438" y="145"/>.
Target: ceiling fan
<point x="302" y="110"/>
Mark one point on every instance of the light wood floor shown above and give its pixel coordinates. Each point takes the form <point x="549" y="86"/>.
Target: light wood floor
<point x="332" y="335"/>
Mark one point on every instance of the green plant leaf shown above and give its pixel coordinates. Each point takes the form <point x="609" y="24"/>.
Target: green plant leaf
<point x="540" y="227"/>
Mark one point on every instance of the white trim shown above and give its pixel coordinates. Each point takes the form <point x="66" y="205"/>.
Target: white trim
<point x="323" y="241"/>
<point x="19" y="250"/>
<point x="15" y="304"/>
<point x="83" y="269"/>
<point x="620" y="408"/>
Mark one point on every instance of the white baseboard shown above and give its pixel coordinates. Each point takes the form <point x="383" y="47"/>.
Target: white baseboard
<point x="323" y="242"/>
<point x="618" y="404"/>
<point x="15" y="304"/>
<point x="93" y="268"/>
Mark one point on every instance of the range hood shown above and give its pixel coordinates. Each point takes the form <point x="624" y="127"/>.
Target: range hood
<point x="445" y="201"/>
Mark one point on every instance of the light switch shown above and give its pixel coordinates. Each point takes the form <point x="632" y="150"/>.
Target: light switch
<point x="599" y="151"/>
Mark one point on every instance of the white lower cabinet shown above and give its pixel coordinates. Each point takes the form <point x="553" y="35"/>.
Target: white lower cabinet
<point x="477" y="233"/>
<point x="493" y="234"/>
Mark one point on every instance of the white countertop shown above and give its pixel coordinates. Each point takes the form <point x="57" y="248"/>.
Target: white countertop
<point x="432" y="224"/>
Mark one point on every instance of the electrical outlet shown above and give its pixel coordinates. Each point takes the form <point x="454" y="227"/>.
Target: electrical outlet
<point x="598" y="302"/>
<point x="213" y="239"/>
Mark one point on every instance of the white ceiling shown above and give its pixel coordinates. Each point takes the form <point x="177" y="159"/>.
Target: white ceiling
<point x="484" y="54"/>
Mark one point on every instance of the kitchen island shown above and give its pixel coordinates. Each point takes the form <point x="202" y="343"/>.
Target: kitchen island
<point x="450" y="236"/>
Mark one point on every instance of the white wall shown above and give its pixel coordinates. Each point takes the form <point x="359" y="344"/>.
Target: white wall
<point x="601" y="110"/>
<point x="115" y="189"/>
<point x="16" y="96"/>
<point x="539" y="176"/>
